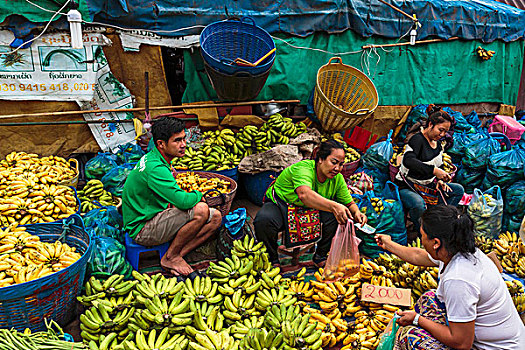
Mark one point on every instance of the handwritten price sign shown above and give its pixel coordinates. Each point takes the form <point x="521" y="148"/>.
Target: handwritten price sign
<point x="386" y="295"/>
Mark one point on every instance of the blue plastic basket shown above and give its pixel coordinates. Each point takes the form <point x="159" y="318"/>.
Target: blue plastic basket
<point x="231" y="173"/>
<point x="53" y="297"/>
<point x="222" y="42"/>
<point x="257" y="184"/>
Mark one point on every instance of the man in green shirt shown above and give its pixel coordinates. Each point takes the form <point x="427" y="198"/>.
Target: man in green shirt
<point x="156" y="210"/>
<point x="316" y="184"/>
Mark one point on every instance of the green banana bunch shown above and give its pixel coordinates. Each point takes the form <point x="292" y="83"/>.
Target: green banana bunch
<point x="211" y="340"/>
<point x="240" y="328"/>
<point x="277" y="314"/>
<point x="163" y="313"/>
<point x="156" y="341"/>
<point x="93" y="196"/>
<point x="97" y="321"/>
<point x="114" y="286"/>
<point x="268" y="297"/>
<point x="261" y="339"/>
<point x="301" y="334"/>
<point x="211" y="156"/>
<point x="148" y="287"/>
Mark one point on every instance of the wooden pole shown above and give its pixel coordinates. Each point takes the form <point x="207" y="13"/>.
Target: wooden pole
<point x="408" y="43"/>
<point x="123" y="110"/>
<point x="397" y="9"/>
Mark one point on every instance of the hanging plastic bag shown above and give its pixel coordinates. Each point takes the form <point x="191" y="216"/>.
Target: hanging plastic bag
<point x="470" y="179"/>
<point x="477" y="153"/>
<point x="115" y="179"/>
<point x="486" y="210"/>
<point x="387" y="339"/>
<point x="384" y="212"/>
<point x="505" y="168"/>
<point x="343" y="259"/>
<point x="379" y="154"/>
<point x="109" y="258"/>
<point x="100" y="165"/>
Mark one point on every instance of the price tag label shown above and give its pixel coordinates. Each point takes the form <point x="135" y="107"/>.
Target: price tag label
<point x="386" y="295"/>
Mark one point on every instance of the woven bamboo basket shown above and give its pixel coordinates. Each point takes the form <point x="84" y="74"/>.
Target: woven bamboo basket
<point x="344" y="96"/>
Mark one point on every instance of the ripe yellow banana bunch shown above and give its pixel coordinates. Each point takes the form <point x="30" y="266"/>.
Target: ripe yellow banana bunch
<point x="23" y="257"/>
<point x="510" y="250"/>
<point x="48" y="203"/>
<point x="45" y="170"/>
<point x="485" y="244"/>
<point x="302" y="290"/>
<point x="448" y="166"/>
<point x="397" y="156"/>
<point x="351" y="155"/>
<point x="484" y="54"/>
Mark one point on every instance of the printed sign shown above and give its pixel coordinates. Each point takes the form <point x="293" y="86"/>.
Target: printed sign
<point x="386" y="295"/>
<point x="131" y="40"/>
<point x="50" y="69"/>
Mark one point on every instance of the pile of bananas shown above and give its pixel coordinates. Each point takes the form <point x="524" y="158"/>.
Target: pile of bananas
<point x="485" y="244"/>
<point x="345" y="268"/>
<point x="351" y="155"/>
<point x="25" y="202"/>
<point x="45" y="170"/>
<point x="23" y="257"/>
<point x="210" y="157"/>
<point x="397" y="156"/>
<point x="484" y="54"/>
<point x="225" y="149"/>
<point x="510" y="250"/>
<point x="517" y="292"/>
<point x="93" y="196"/>
<point x="189" y="181"/>
<point x="448" y="166"/>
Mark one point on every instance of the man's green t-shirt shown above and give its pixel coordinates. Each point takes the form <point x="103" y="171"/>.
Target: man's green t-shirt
<point x="303" y="174"/>
<point x="148" y="190"/>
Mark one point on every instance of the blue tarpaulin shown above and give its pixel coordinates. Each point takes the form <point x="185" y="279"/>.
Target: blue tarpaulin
<point x="475" y="19"/>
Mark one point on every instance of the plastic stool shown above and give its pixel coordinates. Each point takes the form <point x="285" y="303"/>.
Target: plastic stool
<point x="133" y="250"/>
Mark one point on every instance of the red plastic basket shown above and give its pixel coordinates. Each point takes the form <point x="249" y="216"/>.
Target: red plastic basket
<point x="53" y="297"/>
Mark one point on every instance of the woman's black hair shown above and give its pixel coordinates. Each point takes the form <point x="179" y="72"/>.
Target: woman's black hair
<point x="325" y="149"/>
<point x="436" y="116"/>
<point x="164" y="127"/>
<point x="453" y="229"/>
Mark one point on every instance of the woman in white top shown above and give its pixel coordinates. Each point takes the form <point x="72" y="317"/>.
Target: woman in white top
<point x="471" y="307"/>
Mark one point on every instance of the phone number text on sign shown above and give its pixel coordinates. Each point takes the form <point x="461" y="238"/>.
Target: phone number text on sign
<point x="49" y="87"/>
<point x="386" y="295"/>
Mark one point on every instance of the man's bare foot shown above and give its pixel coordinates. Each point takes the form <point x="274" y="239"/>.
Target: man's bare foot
<point x="176" y="265"/>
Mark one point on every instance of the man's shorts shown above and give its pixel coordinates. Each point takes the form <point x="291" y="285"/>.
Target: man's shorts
<point x="164" y="226"/>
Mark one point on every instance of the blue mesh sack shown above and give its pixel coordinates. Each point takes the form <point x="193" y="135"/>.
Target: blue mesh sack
<point x="379" y="154"/>
<point x="115" y="179"/>
<point x="100" y="165"/>
<point x="390" y="220"/>
<point x="477" y="153"/>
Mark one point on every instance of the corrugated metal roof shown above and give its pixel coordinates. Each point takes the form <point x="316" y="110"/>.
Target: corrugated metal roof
<point x="516" y="3"/>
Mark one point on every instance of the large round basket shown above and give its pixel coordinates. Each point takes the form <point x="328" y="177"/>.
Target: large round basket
<point x="214" y="198"/>
<point x="349" y="169"/>
<point x="74" y="181"/>
<point x="26" y="305"/>
<point x="344" y="96"/>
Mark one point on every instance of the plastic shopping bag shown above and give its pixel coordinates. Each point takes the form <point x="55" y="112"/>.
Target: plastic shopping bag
<point x="379" y="154"/>
<point x="129" y="153"/>
<point x="100" y="165"/>
<point x="108" y="215"/>
<point x="461" y="141"/>
<point x="486" y="210"/>
<point x="109" y="258"/>
<point x="505" y="168"/>
<point x="384" y="211"/>
<point x="387" y="339"/>
<point x="470" y="179"/>
<point x="343" y="259"/>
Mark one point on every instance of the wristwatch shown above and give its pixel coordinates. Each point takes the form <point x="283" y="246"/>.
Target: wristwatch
<point x="415" y="322"/>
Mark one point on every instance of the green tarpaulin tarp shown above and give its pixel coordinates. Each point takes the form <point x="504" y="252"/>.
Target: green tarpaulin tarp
<point x="441" y="72"/>
<point x="36" y="14"/>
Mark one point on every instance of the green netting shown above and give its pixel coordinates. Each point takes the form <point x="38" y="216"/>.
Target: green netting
<point x="35" y="14"/>
<point x="441" y="72"/>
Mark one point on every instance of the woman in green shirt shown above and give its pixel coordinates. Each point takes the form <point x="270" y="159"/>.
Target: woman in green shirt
<point x="315" y="184"/>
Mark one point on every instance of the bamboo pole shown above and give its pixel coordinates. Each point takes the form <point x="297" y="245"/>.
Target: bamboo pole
<point x="408" y="43"/>
<point x="141" y="109"/>
<point x="397" y="9"/>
